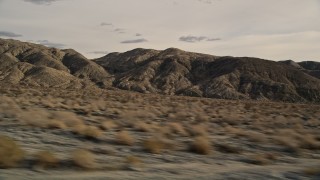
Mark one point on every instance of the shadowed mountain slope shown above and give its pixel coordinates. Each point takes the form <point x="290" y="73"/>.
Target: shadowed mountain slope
<point x="171" y="71"/>
<point x="176" y="72"/>
<point x="310" y="67"/>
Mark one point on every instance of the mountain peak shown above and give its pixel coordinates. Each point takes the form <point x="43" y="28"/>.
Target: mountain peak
<point x="171" y="71"/>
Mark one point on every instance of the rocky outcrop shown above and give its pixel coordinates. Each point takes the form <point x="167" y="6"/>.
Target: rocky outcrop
<point x="176" y="72"/>
<point x="171" y="71"/>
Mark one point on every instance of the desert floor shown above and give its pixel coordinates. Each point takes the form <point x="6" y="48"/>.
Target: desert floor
<point x="108" y="134"/>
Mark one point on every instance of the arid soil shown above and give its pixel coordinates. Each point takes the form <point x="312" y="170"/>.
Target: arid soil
<point x="105" y="134"/>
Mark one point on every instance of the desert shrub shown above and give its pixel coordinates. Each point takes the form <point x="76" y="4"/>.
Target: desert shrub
<point x="309" y="142"/>
<point x="108" y="125"/>
<point x="133" y="160"/>
<point x="198" y="130"/>
<point x="143" y="127"/>
<point x="10" y="152"/>
<point x="56" y="124"/>
<point x="289" y="143"/>
<point x="35" y="117"/>
<point x="84" y="159"/>
<point x="156" y="144"/>
<point x="202" y="118"/>
<point x="8" y="107"/>
<point x="46" y="159"/>
<point x="91" y="132"/>
<point x="177" y="128"/>
<point x="69" y="118"/>
<point x="201" y="145"/>
<point x="124" y="138"/>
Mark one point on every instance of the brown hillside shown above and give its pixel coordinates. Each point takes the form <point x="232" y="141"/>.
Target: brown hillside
<point x="171" y="71"/>
<point x="38" y="65"/>
<point x="176" y="72"/>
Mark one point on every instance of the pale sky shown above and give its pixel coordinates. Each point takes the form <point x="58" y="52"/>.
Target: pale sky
<point x="270" y="29"/>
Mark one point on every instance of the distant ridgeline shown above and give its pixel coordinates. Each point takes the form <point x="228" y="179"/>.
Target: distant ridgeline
<point x="171" y="71"/>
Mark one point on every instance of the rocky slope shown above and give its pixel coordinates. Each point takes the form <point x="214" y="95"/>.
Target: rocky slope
<point x="37" y="65"/>
<point x="174" y="71"/>
<point x="171" y="71"/>
<point x="310" y="67"/>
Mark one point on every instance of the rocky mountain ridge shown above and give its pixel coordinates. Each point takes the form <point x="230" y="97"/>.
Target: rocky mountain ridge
<point x="171" y="71"/>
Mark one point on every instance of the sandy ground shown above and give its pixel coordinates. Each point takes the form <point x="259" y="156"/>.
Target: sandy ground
<point x="247" y="140"/>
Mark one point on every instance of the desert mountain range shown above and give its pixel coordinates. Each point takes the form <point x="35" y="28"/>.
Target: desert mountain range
<point x="171" y="72"/>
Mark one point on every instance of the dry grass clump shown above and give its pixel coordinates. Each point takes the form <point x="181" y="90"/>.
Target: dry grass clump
<point x="46" y="159"/>
<point x="235" y="131"/>
<point x="56" y="124"/>
<point x="289" y="143"/>
<point x="143" y="127"/>
<point x="90" y="132"/>
<point x="35" y="117"/>
<point x="133" y="160"/>
<point x="10" y="152"/>
<point x="108" y="125"/>
<point x="124" y="138"/>
<point x="294" y="141"/>
<point x="69" y="118"/>
<point x="8" y="107"/>
<point x="201" y="145"/>
<point x="198" y="130"/>
<point x="309" y="142"/>
<point x="156" y="145"/>
<point x="177" y="128"/>
<point x="84" y="159"/>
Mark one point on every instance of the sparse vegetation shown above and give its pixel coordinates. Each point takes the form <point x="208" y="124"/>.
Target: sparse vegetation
<point x="154" y="145"/>
<point x="124" y="138"/>
<point x="46" y="159"/>
<point x="133" y="160"/>
<point x="108" y="125"/>
<point x="170" y="130"/>
<point x="84" y="159"/>
<point x="201" y="145"/>
<point x="10" y="152"/>
<point x="91" y="132"/>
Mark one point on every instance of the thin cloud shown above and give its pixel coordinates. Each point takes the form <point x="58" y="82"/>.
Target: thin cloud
<point x="41" y="2"/>
<point x="99" y="52"/>
<point x="9" y="34"/>
<point x="106" y="24"/>
<point x="51" y="44"/>
<point x="120" y="30"/>
<point x="134" y="41"/>
<point x="194" y="39"/>
<point x="214" y="39"/>
<point x="206" y="1"/>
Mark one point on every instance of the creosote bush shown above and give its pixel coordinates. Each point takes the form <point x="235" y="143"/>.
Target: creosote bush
<point x="124" y="138"/>
<point x="84" y="159"/>
<point x="90" y="132"/>
<point x="108" y="125"/>
<point x="156" y="145"/>
<point x="46" y="159"/>
<point x="10" y="152"/>
<point x="201" y="145"/>
<point x="133" y="160"/>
